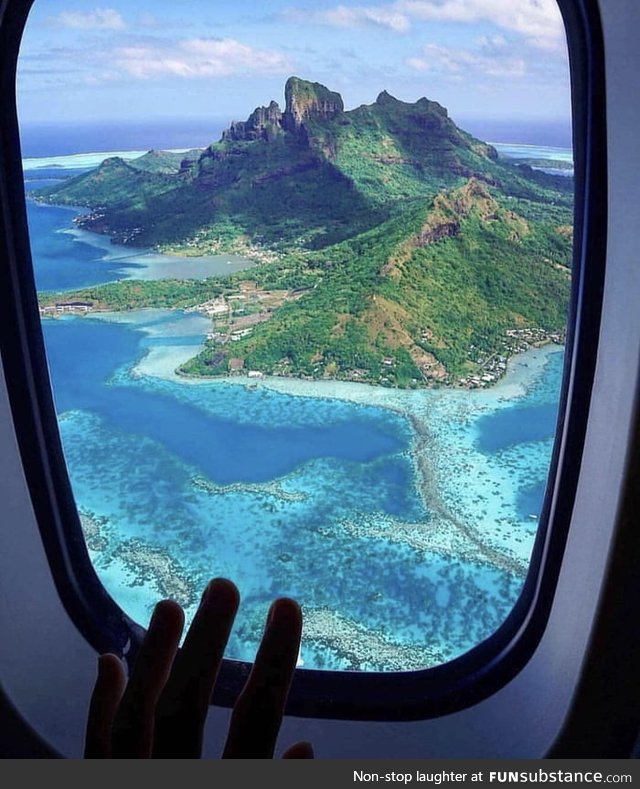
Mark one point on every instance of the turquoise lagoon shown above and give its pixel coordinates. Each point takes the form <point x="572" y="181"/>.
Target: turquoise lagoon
<point x="402" y="521"/>
<point x="67" y="257"/>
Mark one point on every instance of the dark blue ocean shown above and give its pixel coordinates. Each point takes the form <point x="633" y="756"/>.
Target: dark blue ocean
<point x="63" y="139"/>
<point x="310" y="496"/>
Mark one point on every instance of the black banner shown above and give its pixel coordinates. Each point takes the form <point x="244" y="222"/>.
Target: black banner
<point x="331" y="773"/>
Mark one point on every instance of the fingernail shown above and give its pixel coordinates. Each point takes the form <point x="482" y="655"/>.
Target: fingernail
<point x="164" y="615"/>
<point x="284" y="608"/>
<point x="223" y="591"/>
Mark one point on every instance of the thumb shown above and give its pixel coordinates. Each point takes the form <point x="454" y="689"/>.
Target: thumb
<point x="301" y="750"/>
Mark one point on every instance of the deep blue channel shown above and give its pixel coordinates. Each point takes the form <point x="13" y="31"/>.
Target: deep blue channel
<point x="84" y="354"/>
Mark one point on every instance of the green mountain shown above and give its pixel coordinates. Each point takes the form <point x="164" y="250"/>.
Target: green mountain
<point x="309" y="176"/>
<point x="407" y="252"/>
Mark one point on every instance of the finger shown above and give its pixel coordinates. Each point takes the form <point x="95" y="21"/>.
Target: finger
<point x="301" y="750"/>
<point x="133" y="724"/>
<point x="183" y="706"/>
<point x="258" y="712"/>
<point x="106" y="695"/>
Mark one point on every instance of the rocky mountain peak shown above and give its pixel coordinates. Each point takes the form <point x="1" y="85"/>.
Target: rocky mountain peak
<point x="386" y="98"/>
<point x="264" y="123"/>
<point x="308" y="101"/>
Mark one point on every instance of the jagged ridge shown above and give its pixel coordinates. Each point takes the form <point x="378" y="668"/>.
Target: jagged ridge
<point x="309" y="176"/>
<point x="408" y="254"/>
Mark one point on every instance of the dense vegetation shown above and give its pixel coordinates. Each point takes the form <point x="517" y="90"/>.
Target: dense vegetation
<point x="406" y="251"/>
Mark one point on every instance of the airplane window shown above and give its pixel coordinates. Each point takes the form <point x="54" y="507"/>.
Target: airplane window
<point x="304" y="277"/>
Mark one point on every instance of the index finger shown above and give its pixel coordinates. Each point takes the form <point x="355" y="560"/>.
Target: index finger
<point x="257" y="716"/>
<point x="133" y="724"/>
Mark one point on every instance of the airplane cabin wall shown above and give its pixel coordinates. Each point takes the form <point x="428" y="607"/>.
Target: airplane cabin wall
<point x="47" y="669"/>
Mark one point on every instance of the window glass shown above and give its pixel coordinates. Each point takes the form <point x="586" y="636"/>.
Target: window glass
<point x="304" y="274"/>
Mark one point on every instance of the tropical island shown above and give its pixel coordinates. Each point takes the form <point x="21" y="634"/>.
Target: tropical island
<point x="392" y="247"/>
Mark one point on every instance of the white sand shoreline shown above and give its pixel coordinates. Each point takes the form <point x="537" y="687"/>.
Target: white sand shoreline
<point x="522" y="370"/>
<point x="471" y="525"/>
<point x="471" y="495"/>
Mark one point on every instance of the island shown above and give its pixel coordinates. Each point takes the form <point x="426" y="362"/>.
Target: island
<point x="393" y="247"/>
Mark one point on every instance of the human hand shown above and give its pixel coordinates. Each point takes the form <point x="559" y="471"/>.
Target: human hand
<point x="161" y="711"/>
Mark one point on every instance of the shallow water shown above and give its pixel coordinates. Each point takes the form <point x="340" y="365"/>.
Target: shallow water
<point x="304" y="496"/>
<point x="388" y="514"/>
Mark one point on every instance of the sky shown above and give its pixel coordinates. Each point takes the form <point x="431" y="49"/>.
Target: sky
<point x="150" y="60"/>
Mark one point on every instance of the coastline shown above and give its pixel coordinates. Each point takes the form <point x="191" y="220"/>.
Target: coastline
<point x="149" y="264"/>
<point x="75" y="161"/>
<point x="471" y="496"/>
<point x="462" y="544"/>
<point x="521" y="368"/>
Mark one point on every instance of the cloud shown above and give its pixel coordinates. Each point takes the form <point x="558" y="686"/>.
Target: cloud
<point x="98" y="19"/>
<point x="352" y="16"/>
<point x="459" y="64"/>
<point x="199" y="57"/>
<point x="538" y="21"/>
